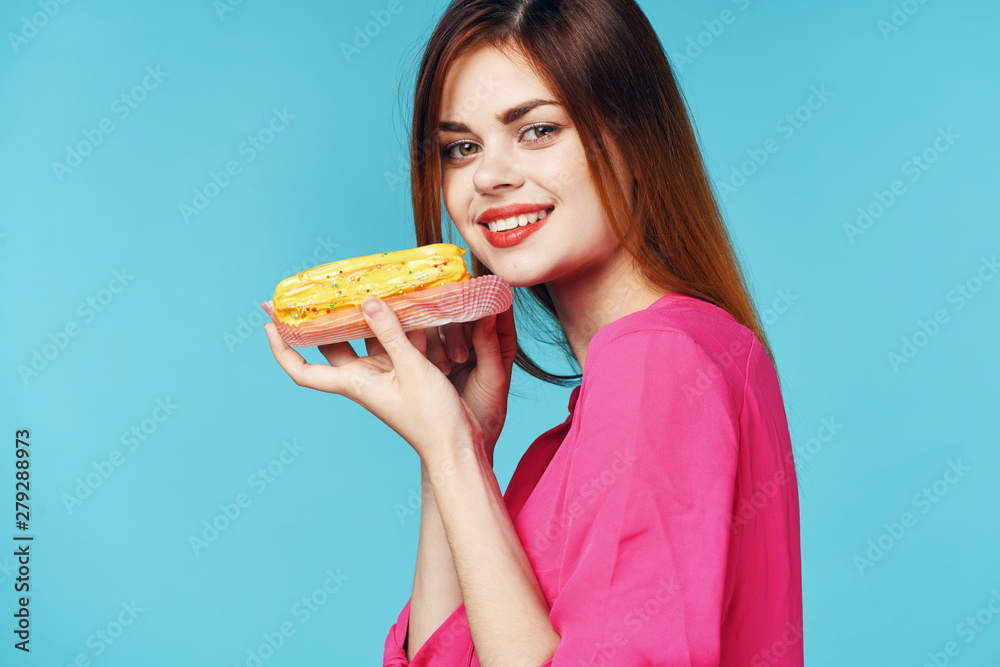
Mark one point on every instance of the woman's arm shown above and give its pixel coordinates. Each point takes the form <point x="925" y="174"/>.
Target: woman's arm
<point x="504" y="603"/>
<point x="436" y="591"/>
<point x="505" y="606"/>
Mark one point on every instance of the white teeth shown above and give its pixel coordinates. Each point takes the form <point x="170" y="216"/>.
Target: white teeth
<point x="517" y="221"/>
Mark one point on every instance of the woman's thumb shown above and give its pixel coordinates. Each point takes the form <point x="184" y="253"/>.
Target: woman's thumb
<point x="384" y="323"/>
<point x="489" y="364"/>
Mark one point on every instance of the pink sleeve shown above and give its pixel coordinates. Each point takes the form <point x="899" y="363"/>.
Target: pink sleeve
<point x="648" y="506"/>
<point x="450" y="644"/>
<point x="395" y="655"/>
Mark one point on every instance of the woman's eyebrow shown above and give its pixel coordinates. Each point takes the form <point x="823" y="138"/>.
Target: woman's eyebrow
<point x="506" y="117"/>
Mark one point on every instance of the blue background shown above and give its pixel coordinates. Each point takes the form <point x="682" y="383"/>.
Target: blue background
<point x="185" y="328"/>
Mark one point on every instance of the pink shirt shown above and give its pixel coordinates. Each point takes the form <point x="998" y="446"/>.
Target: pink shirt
<point x="662" y="516"/>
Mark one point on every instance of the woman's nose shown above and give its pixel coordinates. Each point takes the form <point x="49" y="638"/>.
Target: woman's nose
<point x="497" y="168"/>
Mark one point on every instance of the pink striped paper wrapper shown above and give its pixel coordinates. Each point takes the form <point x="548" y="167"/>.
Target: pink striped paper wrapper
<point x="466" y="301"/>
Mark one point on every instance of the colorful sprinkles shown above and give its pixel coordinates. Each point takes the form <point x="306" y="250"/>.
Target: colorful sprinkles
<point x="402" y="285"/>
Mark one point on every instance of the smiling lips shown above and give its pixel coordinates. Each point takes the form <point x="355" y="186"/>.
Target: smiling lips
<point x="504" y="232"/>
<point x="509" y="210"/>
<point x="513" y="221"/>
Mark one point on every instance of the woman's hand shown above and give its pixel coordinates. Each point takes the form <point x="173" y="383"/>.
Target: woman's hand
<point x="398" y="384"/>
<point x="484" y="387"/>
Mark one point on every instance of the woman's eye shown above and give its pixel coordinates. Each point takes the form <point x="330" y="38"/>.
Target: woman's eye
<point x="542" y="132"/>
<point x="450" y="151"/>
<point x="549" y="129"/>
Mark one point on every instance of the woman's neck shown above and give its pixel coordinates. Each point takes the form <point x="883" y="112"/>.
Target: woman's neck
<point x="587" y="302"/>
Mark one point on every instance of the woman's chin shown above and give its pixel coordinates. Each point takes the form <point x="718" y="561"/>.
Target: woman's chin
<point x="516" y="273"/>
<point x="515" y="279"/>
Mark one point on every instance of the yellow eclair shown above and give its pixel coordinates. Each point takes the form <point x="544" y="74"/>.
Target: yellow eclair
<point x="328" y="288"/>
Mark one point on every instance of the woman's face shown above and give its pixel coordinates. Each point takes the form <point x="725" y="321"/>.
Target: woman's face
<point x="534" y="159"/>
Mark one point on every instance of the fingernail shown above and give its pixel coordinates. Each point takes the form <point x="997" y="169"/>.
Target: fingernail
<point x="460" y="354"/>
<point x="491" y="324"/>
<point x="371" y="306"/>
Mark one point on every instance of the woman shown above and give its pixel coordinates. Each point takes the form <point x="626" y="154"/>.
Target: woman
<point x="659" y="523"/>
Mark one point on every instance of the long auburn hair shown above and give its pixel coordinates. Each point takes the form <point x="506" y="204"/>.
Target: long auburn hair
<point x="606" y="66"/>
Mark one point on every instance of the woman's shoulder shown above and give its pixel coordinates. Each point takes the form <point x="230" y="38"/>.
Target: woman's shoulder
<point x="673" y="329"/>
<point x="675" y="371"/>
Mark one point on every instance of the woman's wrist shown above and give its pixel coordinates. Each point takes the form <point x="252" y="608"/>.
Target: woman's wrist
<point x="426" y="487"/>
<point x="503" y="598"/>
<point x="460" y="459"/>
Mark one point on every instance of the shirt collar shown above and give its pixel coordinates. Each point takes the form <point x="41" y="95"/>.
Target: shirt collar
<point x="573" y="396"/>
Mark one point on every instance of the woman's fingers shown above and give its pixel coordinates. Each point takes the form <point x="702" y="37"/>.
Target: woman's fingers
<point x="489" y="365"/>
<point x="302" y="372"/>
<point x="445" y="346"/>
<point x="405" y="350"/>
<point x="338" y="354"/>
<point x="507" y="334"/>
<point x="418" y="338"/>
<point x="431" y="339"/>
<point x="457" y="344"/>
<point x="373" y="346"/>
<point x="435" y="350"/>
<point x="495" y="341"/>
